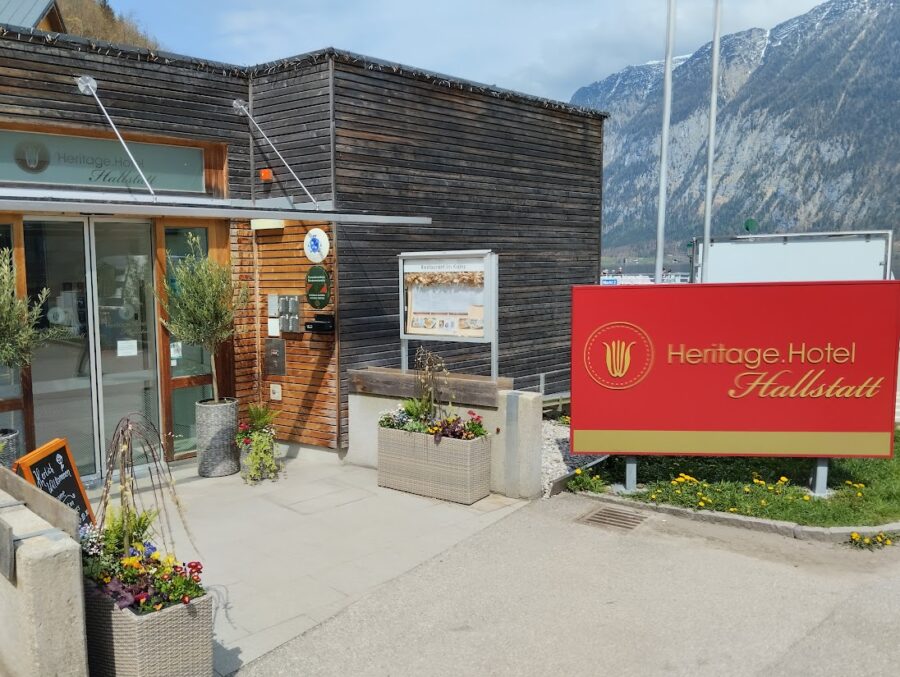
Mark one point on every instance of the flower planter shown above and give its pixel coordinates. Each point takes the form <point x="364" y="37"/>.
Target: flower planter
<point x="452" y="469"/>
<point x="177" y="640"/>
<point x="217" y="454"/>
<point x="9" y="447"/>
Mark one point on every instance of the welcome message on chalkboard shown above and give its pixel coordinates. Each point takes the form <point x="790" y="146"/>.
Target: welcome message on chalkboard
<point x="51" y="469"/>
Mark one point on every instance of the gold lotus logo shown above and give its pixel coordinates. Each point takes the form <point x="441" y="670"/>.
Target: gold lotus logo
<point x="31" y="156"/>
<point x="618" y="355"/>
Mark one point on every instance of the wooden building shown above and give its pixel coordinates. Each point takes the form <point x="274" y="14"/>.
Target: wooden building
<point x="397" y="159"/>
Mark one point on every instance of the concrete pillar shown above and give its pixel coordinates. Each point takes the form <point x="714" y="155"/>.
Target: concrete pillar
<point x="42" y="629"/>
<point x="516" y="451"/>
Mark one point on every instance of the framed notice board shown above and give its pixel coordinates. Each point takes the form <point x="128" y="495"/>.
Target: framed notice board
<point x="52" y="470"/>
<point x="449" y="296"/>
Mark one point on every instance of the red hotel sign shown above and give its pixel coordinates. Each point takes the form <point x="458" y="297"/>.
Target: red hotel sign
<point x="802" y="369"/>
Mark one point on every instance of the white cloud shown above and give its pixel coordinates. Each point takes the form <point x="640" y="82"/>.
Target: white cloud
<point x="543" y="48"/>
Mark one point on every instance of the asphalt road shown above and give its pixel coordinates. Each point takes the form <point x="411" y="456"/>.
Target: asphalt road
<point x="538" y="593"/>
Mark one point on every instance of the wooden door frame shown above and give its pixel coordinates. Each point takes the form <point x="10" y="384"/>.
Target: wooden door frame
<point x="25" y="402"/>
<point x="217" y="238"/>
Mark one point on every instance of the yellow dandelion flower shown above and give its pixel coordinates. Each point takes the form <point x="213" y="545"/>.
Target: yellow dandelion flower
<point x="746" y="490"/>
<point x="867" y="540"/>
<point x="848" y="483"/>
<point x="678" y="491"/>
<point x="673" y="483"/>
<point x="577" y="471"/>
<point x="859" y="494"/>
<point x="652" y="497"/>
<point x="806" y="498"/>
<point x="762" y="502"/>
<point x="701" y="504"/>
<point x="732" y="509"/>
<point x="888" y="542"/>
<point x="782" y="479"/>
<point x="854" y="536"/>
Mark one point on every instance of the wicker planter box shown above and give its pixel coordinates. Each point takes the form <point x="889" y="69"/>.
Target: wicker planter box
<point x="175" y="641"/>
<point x="452" y="470"/>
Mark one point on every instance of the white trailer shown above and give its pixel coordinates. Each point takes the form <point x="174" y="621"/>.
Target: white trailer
<point x="796" y="257"/>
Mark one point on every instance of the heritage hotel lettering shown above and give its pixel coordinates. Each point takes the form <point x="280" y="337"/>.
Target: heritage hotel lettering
<point x="106" y="170"/>
<point x="766" y="373"/>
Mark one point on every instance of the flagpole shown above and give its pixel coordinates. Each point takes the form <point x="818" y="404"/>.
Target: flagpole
<point x="711" y="141"/>
<point x="664" y="142"/>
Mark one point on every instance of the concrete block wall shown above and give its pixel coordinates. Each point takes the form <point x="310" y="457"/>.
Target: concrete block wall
<point x="515" y="449"/>
<point x="42" y="629"/>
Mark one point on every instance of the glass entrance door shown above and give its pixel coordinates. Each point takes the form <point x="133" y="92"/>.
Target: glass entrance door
<point x="126" y="322"/>
<point x="100" y="277"/>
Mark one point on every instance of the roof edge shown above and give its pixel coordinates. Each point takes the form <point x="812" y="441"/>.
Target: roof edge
<point x="130" y="52"/>
<point x="438" y="79"/>
<point x="81" y="44"/>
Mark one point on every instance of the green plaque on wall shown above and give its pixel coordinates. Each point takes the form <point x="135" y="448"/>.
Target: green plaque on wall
<point x="318" y="287"/>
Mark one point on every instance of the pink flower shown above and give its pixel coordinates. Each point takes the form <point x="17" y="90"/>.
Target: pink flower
<point x="244" y="426"/>
<point x="247" y="440"/>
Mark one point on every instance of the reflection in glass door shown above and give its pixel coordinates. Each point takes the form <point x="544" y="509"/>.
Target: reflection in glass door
<point x="100" y="276"/>
<point x="126" y="322"/>
<point x="55" y="258"/>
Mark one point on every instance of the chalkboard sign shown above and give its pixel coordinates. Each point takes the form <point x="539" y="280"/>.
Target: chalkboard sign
<point x="51" y="469"/>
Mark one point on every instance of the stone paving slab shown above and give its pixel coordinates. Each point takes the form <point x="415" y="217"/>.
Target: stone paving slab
<point x="282" y="557"/>
<point x="541" y="593"/>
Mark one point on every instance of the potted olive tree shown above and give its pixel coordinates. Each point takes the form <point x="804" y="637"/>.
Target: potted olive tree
<point x="20" y="336"/>
<point x="199" y="302"/>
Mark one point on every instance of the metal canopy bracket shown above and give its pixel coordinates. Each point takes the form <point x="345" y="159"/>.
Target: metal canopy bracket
<point x="87" y="85"/>
<point x="240" y="107"/>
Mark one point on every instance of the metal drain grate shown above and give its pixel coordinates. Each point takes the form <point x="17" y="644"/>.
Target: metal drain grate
<point x="609" y="516"/>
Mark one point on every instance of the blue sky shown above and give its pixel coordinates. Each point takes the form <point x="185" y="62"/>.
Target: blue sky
<point x="547" y="48"/>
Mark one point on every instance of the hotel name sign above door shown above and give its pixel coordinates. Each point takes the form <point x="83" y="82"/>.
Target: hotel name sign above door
<point x="31" y="157"/>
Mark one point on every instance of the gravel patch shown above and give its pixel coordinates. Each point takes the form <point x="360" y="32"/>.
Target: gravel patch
<point x="556" y="460"/>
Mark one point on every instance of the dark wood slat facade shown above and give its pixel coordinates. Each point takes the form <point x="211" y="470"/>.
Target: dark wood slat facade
<point x="294" y="109"/>
<point x="494" y="170"/>
<point x="504" y="175"/>
<point x="143" y="97"/>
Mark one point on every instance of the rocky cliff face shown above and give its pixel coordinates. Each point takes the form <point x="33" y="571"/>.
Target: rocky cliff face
<point x="807" y="138"/>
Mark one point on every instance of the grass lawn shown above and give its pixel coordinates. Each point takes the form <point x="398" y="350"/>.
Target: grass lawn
<point x="866" y="492"/>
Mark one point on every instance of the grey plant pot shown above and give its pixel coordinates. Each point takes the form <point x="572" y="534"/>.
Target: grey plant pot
<point x="9" y="447"/>
<point x="217" y="454"/>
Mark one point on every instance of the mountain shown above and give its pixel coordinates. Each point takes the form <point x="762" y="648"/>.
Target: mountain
<point x="807" y="134"/>
<point x="99" y="20"/>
